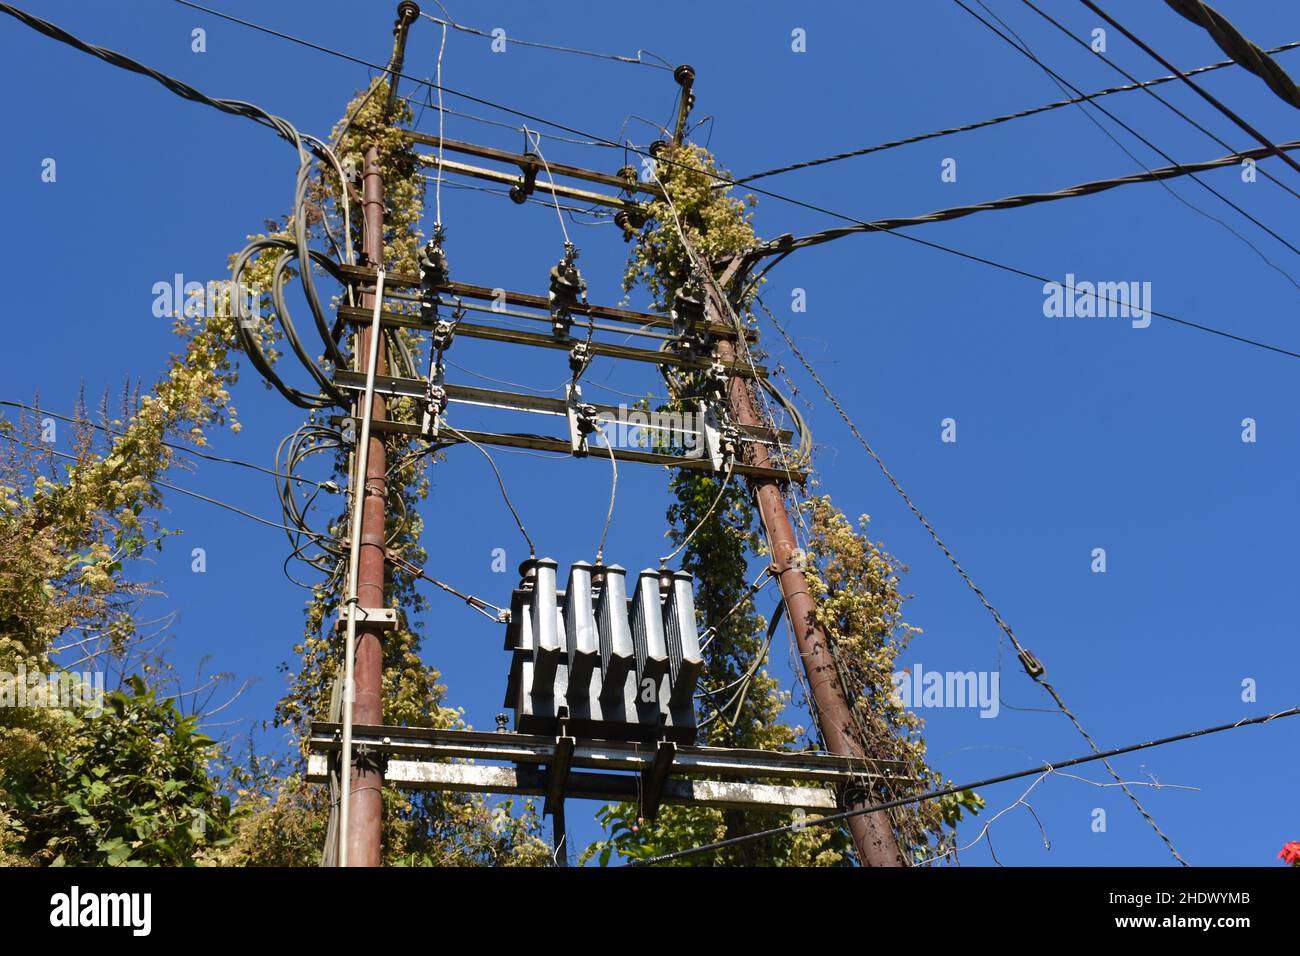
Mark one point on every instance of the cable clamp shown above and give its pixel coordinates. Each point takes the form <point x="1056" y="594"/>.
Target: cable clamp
<point x="567" y="290"/>
<point x="1033" y="666"/>
<point x="435" y="400"/>
<point x="582" y="419"/>
<point x="529" y="167"/>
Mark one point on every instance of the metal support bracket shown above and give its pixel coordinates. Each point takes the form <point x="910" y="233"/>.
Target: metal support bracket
<point x="557" y="775"/>
<point x="655" y="778"/>
<point x="582" y="419"/>
<point x="385" y="618"/>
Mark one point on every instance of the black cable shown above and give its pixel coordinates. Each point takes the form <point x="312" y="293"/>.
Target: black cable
<point x="1213" y="101"/>
<point x="1023" y="47"/>
<point x="1033" y="667"/>
<point x="163" y="484"/>
<point x="723" y="179"/>
<point x="324" y="486"/>
<point x="968" y="127"/>
<point x="1232" y="42"/>
<point x="306" y="147"/>
<point x="947" y="791"/>
<point x="1154" y="95"/>
<point x="1028" y="199"/>
<point x="1060" y="80"/>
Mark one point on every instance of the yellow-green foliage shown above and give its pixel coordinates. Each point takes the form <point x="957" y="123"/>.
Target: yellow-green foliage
<point x="68" y="531"/>
<point x="715" y="223"/>
<point x="286" y="821"/>
<point x="860" y="607"/>
<point x="857" y="584"/>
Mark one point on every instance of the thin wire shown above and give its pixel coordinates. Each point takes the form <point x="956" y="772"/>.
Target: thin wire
<point x="722" y="179"/>
<point x="907" y="141"/>
<point x="717" y="498"/>
<point x="164" y="484"/>
<point x="536" y="140"/>
<point x="613" y="493"/>
<point x="437" y="190"/>
<point x="764" y="578"/>
<point x="323" y="485"/>
<point x="532" y="551"/>
<point x="1025" y="655"/>
<point x="947" y="791"/>
<point x="1263" y="140"/>
<point x="636" y="61"/>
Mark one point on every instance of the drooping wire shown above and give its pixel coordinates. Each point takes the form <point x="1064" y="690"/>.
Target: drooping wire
<point x="958" y="788"/>
<point x="536" y="140"/>
<point x="636" y="61"/>
<point x="532" y="551"/>
<point x="437" y="191"/>
<point x="814" y="207"/>
<point x="613" y="493"/>
<point x="1196" y="87"/>
<point x="1031" y="664"/>
<point x="994" y="121"/>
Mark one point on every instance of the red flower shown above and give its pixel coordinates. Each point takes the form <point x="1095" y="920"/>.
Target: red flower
<point x="1291" y="853"/>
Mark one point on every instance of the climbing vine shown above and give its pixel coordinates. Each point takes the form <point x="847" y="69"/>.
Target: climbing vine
<point x="856" y="582"/>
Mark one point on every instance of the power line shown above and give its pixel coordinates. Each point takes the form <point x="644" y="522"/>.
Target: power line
<point x="764" y="192"/>
<point x="1029" y="199"/>
<point x="1062" y="81"/>
<point x="1156" y="96"/>
<point x="1242" y="50"/>
<point x="1023" y="47"/>
<point x="164" y="484"/>
<point x="968" y="127"/>
<point x="947" y="791"/>
<point x="1033" y="666"/>
<point x="1213" y="101"/>
<point x="323" y="485"/>
<point x="636" y="60"/>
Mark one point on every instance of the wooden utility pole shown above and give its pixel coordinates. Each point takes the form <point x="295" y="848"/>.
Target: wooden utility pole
<point x="873" y="837"/>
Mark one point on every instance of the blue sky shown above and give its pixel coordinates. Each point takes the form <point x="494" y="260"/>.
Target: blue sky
<point x="1072" y="434"/>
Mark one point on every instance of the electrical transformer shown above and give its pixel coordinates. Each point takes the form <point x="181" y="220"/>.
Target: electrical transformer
<point x="590" y="662"/>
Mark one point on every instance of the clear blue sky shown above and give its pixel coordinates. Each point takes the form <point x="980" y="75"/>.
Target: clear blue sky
<point x="1073" y="434"/>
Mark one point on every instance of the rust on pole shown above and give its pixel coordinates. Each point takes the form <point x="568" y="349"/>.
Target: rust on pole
<point x="873" y="837"/>
<point x="685" y="77"/>
<point x="365" y="786"/>
<point x="406" y="14"/>
<point x="365" y="819"/>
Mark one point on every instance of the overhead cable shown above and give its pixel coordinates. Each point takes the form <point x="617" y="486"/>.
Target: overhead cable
<point x="968" y="127"/>
<point x="959" y="788"/>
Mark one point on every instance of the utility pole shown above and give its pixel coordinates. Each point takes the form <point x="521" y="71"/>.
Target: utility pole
<point x="873" y="837"/>
<point x="365" y="786"/>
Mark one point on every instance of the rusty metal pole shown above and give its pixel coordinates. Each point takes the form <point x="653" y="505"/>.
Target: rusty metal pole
<point x="365" y="821"/>
<point x="367" y="782"/>
<point x="873" y="838"/>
